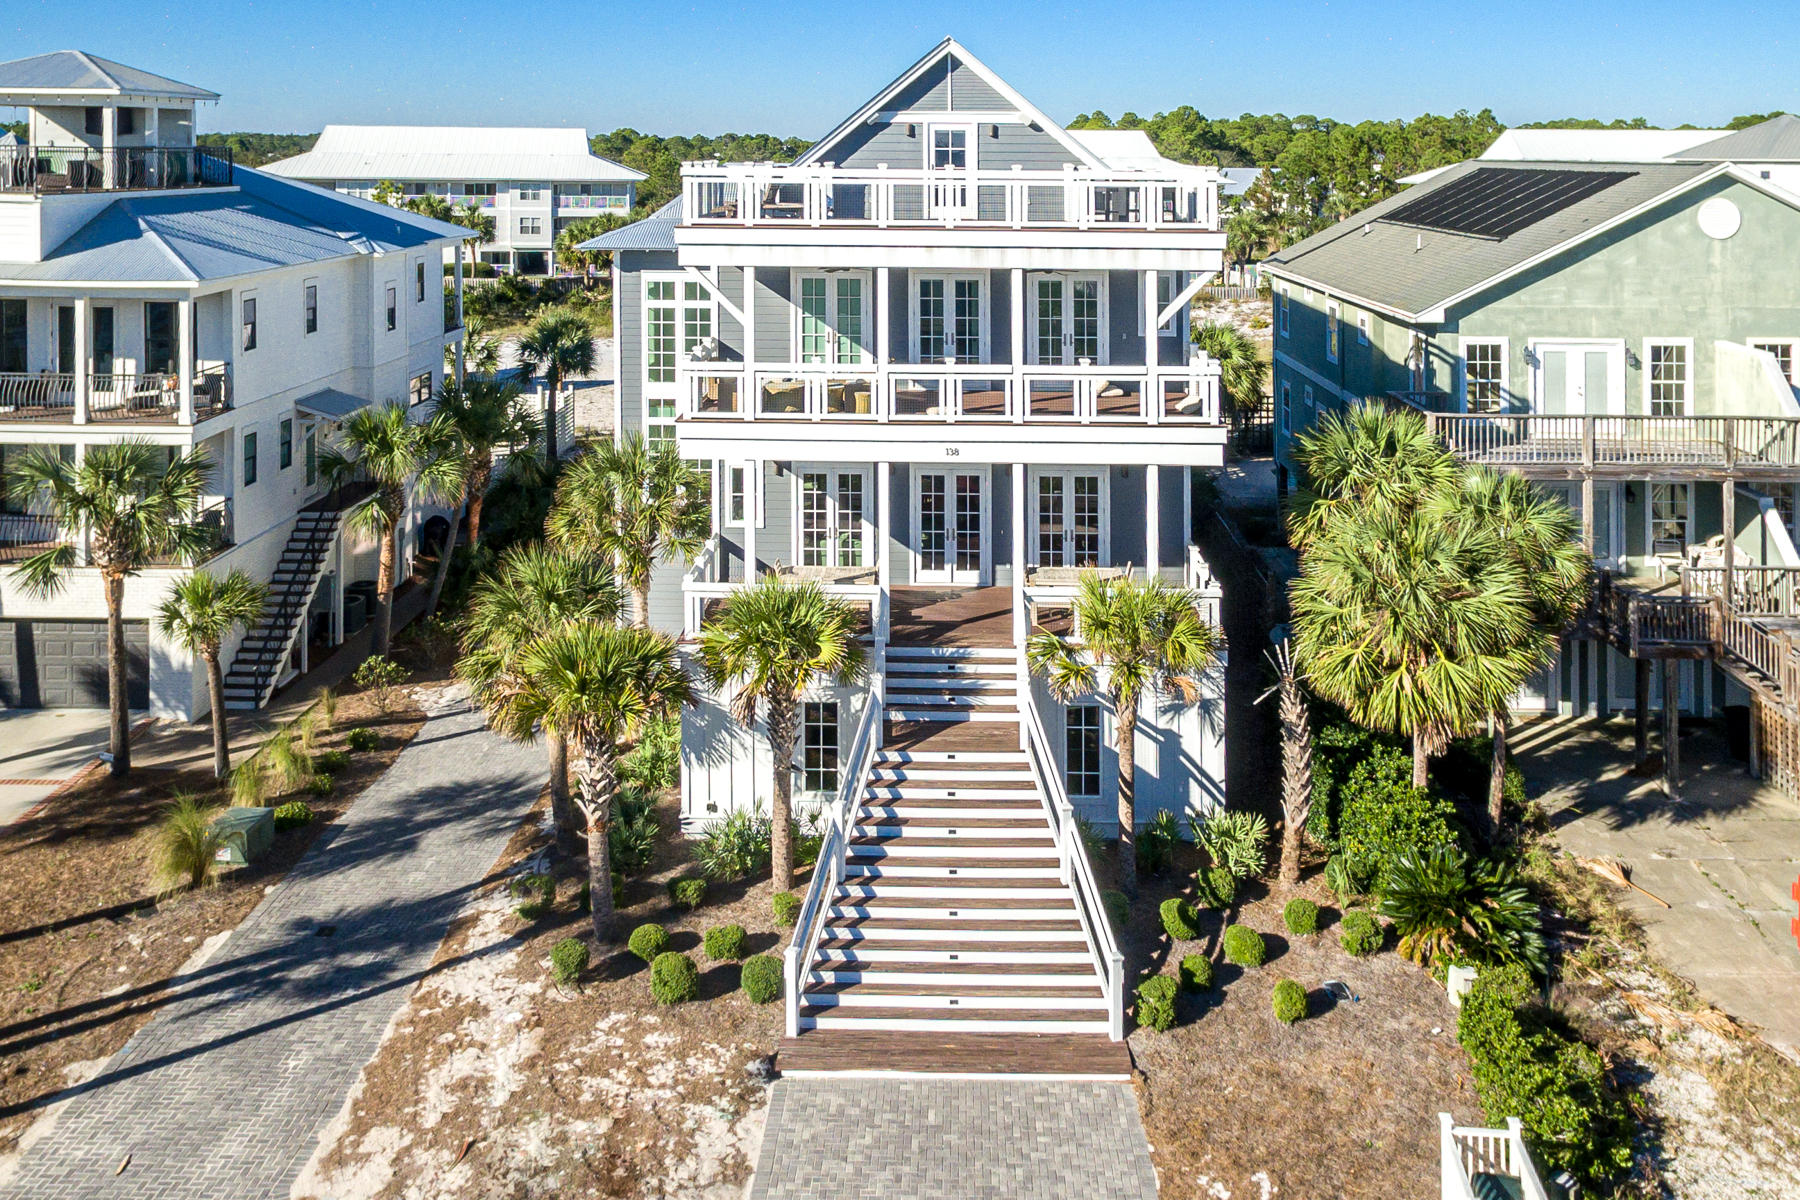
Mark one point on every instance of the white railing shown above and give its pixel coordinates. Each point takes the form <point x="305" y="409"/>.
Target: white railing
<point x="942" y="392"/>
<point x="1465" y="1151"/>
<point x="699" y="595"/>
<point x="1077" y="873"/>
<point x="778" y="194"/>
<point x="828" y="870"/>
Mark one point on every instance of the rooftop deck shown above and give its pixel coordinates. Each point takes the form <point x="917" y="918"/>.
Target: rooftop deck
<point x="54" y="170"/>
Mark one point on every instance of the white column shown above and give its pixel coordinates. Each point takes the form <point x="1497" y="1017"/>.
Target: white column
<point x="884" y="351"/>
<point x="184" y="357"/>
<point x="753" y="479"/>
<point x="747" y="397"/>
<point x="1018" y="552"/>
<point x="109" y="141"/>
<point x="1150" y="335"/>
<point x="462" y="339"/>
<point x="884" y="558"/>
<point x="1018" y="343"/>
<point x="1152" y="520"/>
<point x="84" y="376"/>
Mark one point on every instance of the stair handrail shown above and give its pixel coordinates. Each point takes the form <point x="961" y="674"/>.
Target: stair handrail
<point x="828" y="870"/>
<point x="1077" y="872"/>
<point x="1465" y="1151"/>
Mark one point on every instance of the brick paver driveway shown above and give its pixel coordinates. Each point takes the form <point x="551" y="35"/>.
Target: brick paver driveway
<point x="953" y="1139"/>
<point x="223" y="1095"/>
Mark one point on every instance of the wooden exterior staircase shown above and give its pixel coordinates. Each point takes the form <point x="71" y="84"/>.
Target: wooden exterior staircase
<point x="257" y="667"/>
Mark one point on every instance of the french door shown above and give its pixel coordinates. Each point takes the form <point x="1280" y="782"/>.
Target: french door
<point x="1068" y="322"/>
<point x="1609" y="513"/>
<point x="951" y="520"/>
<point x="1573" y="378"/>
<point x="1068" y="527"/>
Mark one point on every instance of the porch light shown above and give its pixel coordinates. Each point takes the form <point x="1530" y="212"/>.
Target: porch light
<point x="912" y="131"/>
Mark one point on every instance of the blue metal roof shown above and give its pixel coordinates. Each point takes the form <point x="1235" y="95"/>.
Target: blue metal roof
<point x="654" y="232"/>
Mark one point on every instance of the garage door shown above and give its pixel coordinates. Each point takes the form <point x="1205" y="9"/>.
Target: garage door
<point x="62" y="664"/>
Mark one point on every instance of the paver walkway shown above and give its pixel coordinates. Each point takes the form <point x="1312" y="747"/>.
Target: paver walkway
<point x="952" y="1139"/>
<point x="1725" y="856"/>
<point x="223" y="1095"/>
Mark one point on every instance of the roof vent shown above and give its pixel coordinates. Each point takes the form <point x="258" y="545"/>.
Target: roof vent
<point x="1420" y="244"/>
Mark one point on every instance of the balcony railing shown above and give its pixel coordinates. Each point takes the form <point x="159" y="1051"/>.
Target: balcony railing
<point x="25" y="534"/>
<point x="776" y="194"/>
<point x="51" y="170"/>
<point x="147" y="397"/>
<point x="971" y="392"/>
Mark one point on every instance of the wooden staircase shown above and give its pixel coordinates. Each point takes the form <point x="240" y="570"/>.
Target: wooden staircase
<point x="953" y="941"/>
<point x="257" y="667"/>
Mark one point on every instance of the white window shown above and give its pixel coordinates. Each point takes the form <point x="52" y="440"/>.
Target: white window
<point x="1071" y="524"/>
<point x="832" y="319"/>
<point x="949" y="318"/>
<point x="1282" y="301"/>
<point x="949" y="148"/>
<point x="696" y="315"/>
<point x="660" y="334"/>
<point x="819" y="746"/>
<point x="393" y="309"/>
<point x="1484" y="375"/>
<point x="1362" y="329"/>
<point x="1287" y="406"/>
<point x="737" y="495"/>
<point x="419" y="282"/>
<point x="1785" y="356"/>
<point x="832" y="527"/>
<point x="1331" y="331"/>
<point x="1671" y="510"/>
<point x="250" y="323"/>
<point x="531" y="226"/>
<point x="1165" y="295"/>
<point x="1082" y="745"/>
<point x="1068" y="320"/>
<point x="309" y="297"/>
<point x="1668" y="375"/>
<point x="531" y="191"/>
<point x="1307" y="396"/>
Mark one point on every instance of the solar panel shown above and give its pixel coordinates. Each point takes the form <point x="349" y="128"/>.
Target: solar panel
<point x="1497" y="202"/>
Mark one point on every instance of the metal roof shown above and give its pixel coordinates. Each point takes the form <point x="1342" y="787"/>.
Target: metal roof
<point x="654" y="232"/>
<point x="79" y="71"/>
<point x="1594" y="145"/>
<point x="1776" y="140"/>
<point x="262" y="224"/>
<point x="1235" y="181"/>
<point x="1412" y="271"/>
<point x="452" y="152"/>
<point x="1132" y="150"/>
<point x="331" y="404"/>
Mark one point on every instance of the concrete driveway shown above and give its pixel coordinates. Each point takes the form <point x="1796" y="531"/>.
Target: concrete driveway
<point x="41" y="749"/>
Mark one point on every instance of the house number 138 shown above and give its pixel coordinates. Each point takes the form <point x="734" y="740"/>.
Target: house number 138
<point x="952" y="451"/>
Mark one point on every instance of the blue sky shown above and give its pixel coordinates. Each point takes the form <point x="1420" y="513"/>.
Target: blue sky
<point x="796" y="68"/>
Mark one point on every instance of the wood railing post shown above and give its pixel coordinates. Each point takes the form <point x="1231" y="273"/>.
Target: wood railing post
<point x="1587" y="442"/>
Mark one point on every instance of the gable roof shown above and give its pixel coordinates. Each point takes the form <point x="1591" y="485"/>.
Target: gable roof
<point x="654" y="232"/>
<point x="1412" y="271"/>
<point x="1776" y="140"/>
<point x="81" y="72"/>
<point x="945" y="51"/>
<point x="263" y="223"/>
<point x="421" y="152"/>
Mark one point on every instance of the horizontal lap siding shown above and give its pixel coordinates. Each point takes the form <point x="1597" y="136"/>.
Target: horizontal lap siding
<point x="969" y="92"/>
<point x="730" y="330"/>
<point x="774" y="316"/>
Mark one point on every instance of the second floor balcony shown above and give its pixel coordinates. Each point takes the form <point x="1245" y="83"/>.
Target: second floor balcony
<point x="56" y="170"/>
<point x="784" y="195"/>
<point x="145" y="397"/>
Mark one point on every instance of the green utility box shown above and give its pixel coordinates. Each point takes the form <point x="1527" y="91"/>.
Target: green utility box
<point x="247" y="832"/>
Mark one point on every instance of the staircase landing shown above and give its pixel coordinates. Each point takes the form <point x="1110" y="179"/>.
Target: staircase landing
<point x="969" y="1055"/>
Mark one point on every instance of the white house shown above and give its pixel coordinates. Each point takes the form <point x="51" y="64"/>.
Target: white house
<point x="152" y="290"/>
<point x="533" y="182"/>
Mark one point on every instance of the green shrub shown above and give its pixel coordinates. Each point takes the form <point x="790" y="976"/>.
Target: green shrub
<point x="542" y="885"/>
<point x="1157" y="843"/>
<point x="331" y="762"/>
<point x="1196" y="973"/>
<point x="1118" y="908"/>
<point x="632" y="835"/>
<point x="1156" y="1002"/>
<point x="674" y="979"/>
<point x="724" y="943"/>
<point x="187" y="845"/>
<point x="761" y="978"/>
<point x="735" y="848"/>
<point x="1179" y="919"/>
<point x="568" y="959"/>
<point x="293" y="814"/>
<point x="787" y="908"/>
<point x="286" y="762"/>
<point x="1342" y="880"/>
<point x="320" y="785"/>
<point x="1339" y="744"/>
<point x="1384" y="816"/>
<point x="1526" y="1067"/>
<point x="1216" y="887"/>
<point x="1361" y="934"/>
<point x="1244" y="946"/>
<point x="655" y="765"/>
<point x="648" y="941"/>
<point x="379" y="675"/>
<point x="1237" y="841"/>
<point x="362" y="739"/>
<point x="531" y="910"/>
<point x="1289" y="1001"/>
<point x="1446" y="910"/>
<point x="689" y="893"/>
<point x="1092" y="840"/>
<point x="1301" y="916"/>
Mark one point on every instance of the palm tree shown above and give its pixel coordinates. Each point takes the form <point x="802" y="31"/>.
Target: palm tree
<point x="766" y="646"/>
<point x="532" y="592"/>
<point x="1540" y="534"/>
<point x="1296" y="758"/>
<point x="386" y="448"/>
<point x="481" y="349"/>
<point x="138" y="505"/>
<point x="483" y="415"/>
<point x="1131" y="639"/>
<point x="558" y="344"/>
<point x="633" y="505"/>
<point x="198" y="614"/>
<point x="594" y="684"/>
<point x="1242" y="372"/>
<point x="1368" y="458"/>
<point x="470" y="216"/>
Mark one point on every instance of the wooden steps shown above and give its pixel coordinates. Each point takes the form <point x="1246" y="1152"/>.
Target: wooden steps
<point x="954" y="1052"/>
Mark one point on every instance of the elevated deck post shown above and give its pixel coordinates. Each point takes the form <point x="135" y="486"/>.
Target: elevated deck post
<point x="1728" y="518"/>
<point x="1641" y="668"/>
<point x="1587" y="511"/>
<point x="1672" y="728"/>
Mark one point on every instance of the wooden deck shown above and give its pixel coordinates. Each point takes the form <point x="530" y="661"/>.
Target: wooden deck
<point x="1066" y="1055"/>
<point x="951" y="616"/>
<point x="921" y="736"/>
